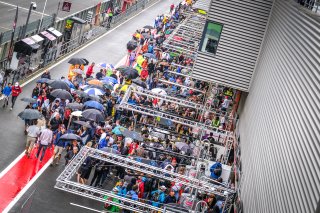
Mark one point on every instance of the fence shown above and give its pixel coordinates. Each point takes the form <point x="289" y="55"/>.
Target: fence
<point x="23" y="72"/>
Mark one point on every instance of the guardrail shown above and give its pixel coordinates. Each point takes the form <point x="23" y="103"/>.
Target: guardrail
<point x="24" y="72"/>
<point x="313" y="5"/>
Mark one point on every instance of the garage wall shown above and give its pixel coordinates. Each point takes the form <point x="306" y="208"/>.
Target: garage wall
<point x="280" y="121"/>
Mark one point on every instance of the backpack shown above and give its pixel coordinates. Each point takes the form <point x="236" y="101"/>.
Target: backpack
<point x="218" y="171"/>
<point x="155" y="196"/>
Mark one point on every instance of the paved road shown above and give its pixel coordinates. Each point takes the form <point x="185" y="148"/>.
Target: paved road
<point x="111" y="49"/>
<point x="8" y="10"/>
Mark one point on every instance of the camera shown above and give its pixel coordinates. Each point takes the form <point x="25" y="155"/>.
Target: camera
<point x="34" y="5"/>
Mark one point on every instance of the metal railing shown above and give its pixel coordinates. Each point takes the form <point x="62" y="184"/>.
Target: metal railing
<point x="313" y="5"/>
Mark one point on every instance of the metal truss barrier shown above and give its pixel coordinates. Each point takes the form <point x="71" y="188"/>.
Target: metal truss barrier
<point x="173" y="118"/>
<point x="64" y="183"/>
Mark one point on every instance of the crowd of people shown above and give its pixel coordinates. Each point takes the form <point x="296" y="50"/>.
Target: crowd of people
<point x="82" y="110"/>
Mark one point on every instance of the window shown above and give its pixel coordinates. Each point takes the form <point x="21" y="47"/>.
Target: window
<point x="210" y="38"/>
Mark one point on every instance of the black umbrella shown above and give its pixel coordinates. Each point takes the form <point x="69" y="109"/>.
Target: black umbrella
<point x="30" y="114"/>
<point x="58" y="84"/>
<point x="83" y="123"/>
<point x="94" y="98"/>
<point x="132" y="134"/>
<point x="129" y="72"/>
<point x="62" y="94"/>
<point x="75" y="106"/>
<point x="96" y="86"/>
<point x="108" y="86"/>
<point x="139" y="83"/>
<point x="93" y="115"/>
<point x="81" y="94"/>
<point x="148" y="27"/>
<point x="75" y="61"/>
<point x="87" y="62"/>
<point x="43" y="80"/>
<point x="29" y="100"/>
<point x="70" y="137"/>
<point x="131" y="45"/>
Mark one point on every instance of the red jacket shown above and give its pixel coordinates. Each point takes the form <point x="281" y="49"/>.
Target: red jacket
<point x="89" y="70"/>
<point x="16" y="91"/>
<point x="144" y="74"/>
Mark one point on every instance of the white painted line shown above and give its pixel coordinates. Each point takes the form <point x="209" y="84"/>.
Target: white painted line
<point x="84" y="207"/>
<point x="23" y="8"/>
<point x="11" y="164"/>
<point x="31" y="182"/>
<point x="5" y="28"/>
<point x="85" y="46"/>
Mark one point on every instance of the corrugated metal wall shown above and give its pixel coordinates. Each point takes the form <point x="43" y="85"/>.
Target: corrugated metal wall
<point x="244" y="26"/>
<point x="280" y="122"/>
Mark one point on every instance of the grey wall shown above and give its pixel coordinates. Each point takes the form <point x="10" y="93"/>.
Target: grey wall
<point x="279" y="126"/>
<point x="244" y="23"/>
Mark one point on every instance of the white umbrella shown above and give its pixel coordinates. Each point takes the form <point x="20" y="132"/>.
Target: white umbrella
<point x="77" y="113"/>
<point x="159" y="91"/>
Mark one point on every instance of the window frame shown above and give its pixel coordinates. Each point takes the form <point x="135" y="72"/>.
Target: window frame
<point x="204" y="35"/>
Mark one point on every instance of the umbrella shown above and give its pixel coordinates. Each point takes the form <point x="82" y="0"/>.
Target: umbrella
<point x="74" y="106"/>
<point x="108" y="86"/>
<point x="58" y="84"/>
<point x="149" y="55"/>
<point x="182" y="146"/>
<point x="109" y="79"/>
<point x="105" y="65"/>
<point x="43" y="80"/>
<point x="70" y="137"/>
<point x="132" y="134"/>
<point x="62" y="94"/>
<point x="95" y="98"/>
<point x="139" y="83"/>
<point x="94" y="91"/>
<point x="81" y="94"/>
<point x="70" y="84"/>
<point x="29" y="100"/>
<point x="79" y="71"/>
<point x="83" y="123"/>
<point x="94" y="86"/>
<point x="130" y="72"/>
<point x="95" y="82"/>
<point x="86" y="62"/>
<point x="94" y="104"/>
<point x="79" y="61"/>
<point x="131" y="45"/>
<point x="77" y="113"/>
<point x="110" y="150"/>
<point x="148" y="27"/>
<point x="118" y="130"/>
<point x="93" y="115"/>
<point x="30" y="114"/>
<point x="159" y="91"/>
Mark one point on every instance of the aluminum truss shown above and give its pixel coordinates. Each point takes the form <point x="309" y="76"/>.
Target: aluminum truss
<point x="64" y="183"/>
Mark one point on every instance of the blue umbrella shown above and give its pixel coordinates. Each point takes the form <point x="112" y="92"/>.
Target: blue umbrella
<point x="109" y="79"/>
<point x="118" y="130"/>
<point x="43" y="80"/>
<point x="94" y="104"/>
<point x="70" y="84"/>
<point x="106" y="66"/>
<point x="94" y="91"/>
<point x="149" y="55"/>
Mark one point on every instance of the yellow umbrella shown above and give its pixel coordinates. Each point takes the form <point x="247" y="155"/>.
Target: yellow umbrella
<point x="95" y="82"/>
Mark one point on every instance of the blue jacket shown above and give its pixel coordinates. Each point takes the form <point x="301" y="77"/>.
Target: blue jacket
<point x="162" y="197"/>
<point x="212" y="168"/>
<point x="6" y="91"/>
<point x="122" y="191"/>
<point x="58" y="142"/>
<point x="103" y="143"/>
<point x="133" y="195"/>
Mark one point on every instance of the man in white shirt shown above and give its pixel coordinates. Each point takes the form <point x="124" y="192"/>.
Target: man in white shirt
<point x="33" y="131"/>
<point x="45" y="140"/>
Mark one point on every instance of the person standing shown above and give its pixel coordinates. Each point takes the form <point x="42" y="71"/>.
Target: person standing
<point x="16" y="90"/>
<point x="90" y="70"/>
<point x="33" y="132"/>
<point x="6" y="92"/>
<point x="46" y="74"/>
<point x="45" y="139"/>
